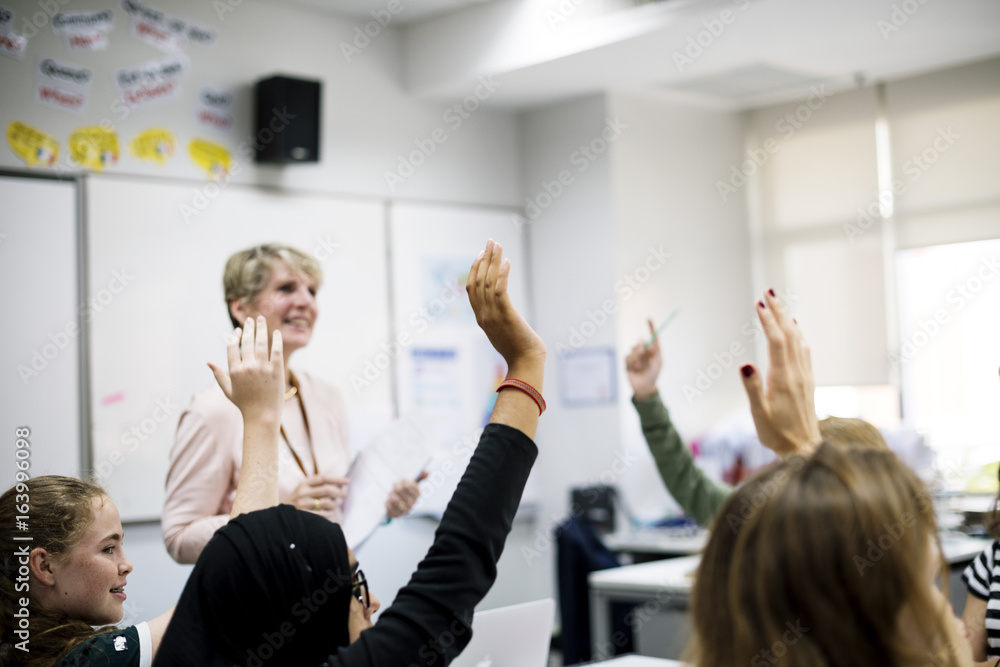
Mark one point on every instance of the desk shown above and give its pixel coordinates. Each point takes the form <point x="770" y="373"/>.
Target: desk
<point x="641" y="661"/>
<point x="960" y="548"/>
<point x="666" y="585"/>
<point x="659" y="585"/>
<point x="658" y="542"/>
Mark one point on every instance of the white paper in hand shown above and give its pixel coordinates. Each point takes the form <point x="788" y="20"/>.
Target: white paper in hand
<point x="401" y="451"/>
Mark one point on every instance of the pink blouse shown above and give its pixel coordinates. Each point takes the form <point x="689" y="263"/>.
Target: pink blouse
<point x="208" y="450"/>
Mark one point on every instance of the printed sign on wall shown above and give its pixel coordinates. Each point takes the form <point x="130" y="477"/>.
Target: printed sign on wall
<point x="167" y="33"/>
<point x="62" y="85"/>
<point x="150" y="82"/>
<point x="84" y="31"/>
<point x="13" y="45"/>
<point x="215" y="108"/>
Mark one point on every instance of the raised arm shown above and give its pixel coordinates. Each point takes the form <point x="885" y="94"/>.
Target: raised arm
<point x="429" y="621"/>
<point x="694" y="491"/>
<point x="785" y="411"/>
<point x="255" y="383"/>
<point x="643" y="365"/>
<point x="510" y="335"/>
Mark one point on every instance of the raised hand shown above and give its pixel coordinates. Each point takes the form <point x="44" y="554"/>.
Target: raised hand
<point x="256" y="384"/>
<point x="643" y="365"/>
<point x="785" y="412"/>
<point x="510" y="335"/>
<point x="256" y="380"/>
<point x="508" y="332"/>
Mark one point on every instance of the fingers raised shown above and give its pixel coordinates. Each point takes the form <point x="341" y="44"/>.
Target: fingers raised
<point x="754" y="387"/>
<point x="777" y="345"/>
<point x="493" y="271"/>
<point x="793" y="335"/>
<point x="222" y="377"/>
<point x="247" y="342"/>
<point x="470" y="283"/>
<point x="233" y="349"/>
<point x="260" y="341"/>
<point x="277" y="346"/>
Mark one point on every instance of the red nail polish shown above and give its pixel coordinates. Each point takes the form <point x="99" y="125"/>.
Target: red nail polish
<point x="760" y="304"/>
<point x="747" y="370"/>
<point x="771" y="292"/>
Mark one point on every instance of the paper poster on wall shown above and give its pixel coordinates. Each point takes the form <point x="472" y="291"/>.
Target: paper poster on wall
<point x="151" y="81"/>
<point x="13" y="45"/>
<point x="84" y="30"/>
<point x="436" y="379"/>
<point x="167" y="33"/>
<point x="214" y="108"/>
<point x="62" y="85"/>
<point x="6" y="20"/>
<point x="214" y="159"/>
<point x="32" y="145"/>
<point x="94" y="148"/>
<point x="588" y="377"/>
<point x="443" y="288"/>
<point x="156" y="144"/>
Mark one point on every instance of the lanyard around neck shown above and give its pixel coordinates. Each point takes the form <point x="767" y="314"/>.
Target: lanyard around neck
<point x="305" y="420"/>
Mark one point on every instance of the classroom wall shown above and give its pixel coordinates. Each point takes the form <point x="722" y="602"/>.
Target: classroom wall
<point x="572" y="273"/>
<point x="368" y="119"/>
<point x="664" y="174"/>
<point x="368" y="122"/>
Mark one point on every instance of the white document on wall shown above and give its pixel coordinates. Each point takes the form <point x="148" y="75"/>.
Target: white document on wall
<point x="401" y="451"/>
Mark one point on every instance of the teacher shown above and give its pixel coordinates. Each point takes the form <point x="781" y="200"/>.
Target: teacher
<point x="280" y="283"/>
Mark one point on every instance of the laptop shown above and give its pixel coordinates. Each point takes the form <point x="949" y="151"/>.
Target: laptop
<point x="515" y="636"/>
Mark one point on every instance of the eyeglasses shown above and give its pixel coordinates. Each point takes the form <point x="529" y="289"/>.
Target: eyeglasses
<point x="359" y="589"/>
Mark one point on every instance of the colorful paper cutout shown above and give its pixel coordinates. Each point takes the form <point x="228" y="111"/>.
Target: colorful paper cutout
<point x="214" y="159"/>
<point x="94" y="147"/>
<point x="32" y="145"/>
<point x="156" y="144"/>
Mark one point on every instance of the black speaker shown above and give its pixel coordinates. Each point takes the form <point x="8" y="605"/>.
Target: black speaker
<point x="286" y="119"/>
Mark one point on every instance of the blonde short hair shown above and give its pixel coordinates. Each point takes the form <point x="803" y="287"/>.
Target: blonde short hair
<point x="248" y="271"/>
<point x="848" y="431"/>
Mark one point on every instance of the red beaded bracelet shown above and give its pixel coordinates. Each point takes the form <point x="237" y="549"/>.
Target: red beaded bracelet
<point x="527" y="389"/>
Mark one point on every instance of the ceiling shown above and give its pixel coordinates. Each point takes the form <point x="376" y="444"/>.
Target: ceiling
<point x="415" y="10"/>
<point x="722" y="53"/>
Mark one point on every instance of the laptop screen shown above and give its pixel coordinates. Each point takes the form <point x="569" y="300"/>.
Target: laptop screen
<point x="515" y="636"/>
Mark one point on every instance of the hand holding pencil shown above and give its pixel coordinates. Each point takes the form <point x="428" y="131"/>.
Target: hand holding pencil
<point x="643" y="364"/>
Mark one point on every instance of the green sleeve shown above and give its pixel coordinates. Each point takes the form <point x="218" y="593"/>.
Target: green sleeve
<point x="697" y="494"/>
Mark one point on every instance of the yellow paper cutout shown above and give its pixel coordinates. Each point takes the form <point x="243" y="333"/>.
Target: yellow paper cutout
<point x="32" y="145"/>
<point x="213" y="158"/>
<point x="156" y="144"/>
<point x="94" y="147"/>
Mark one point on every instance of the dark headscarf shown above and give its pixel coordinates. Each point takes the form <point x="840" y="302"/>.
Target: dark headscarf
<point x="272" y="587"/>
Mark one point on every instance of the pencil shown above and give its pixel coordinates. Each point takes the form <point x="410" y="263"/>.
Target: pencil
<point x="663" y="326"/>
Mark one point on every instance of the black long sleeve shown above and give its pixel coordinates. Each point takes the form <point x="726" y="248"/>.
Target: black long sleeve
<point x="429" y="622"/>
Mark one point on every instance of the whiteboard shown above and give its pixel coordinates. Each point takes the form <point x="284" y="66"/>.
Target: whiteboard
<point x="40" y="340"/>
<point x="156" y="254"/>
<point x="446" y="369"/>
